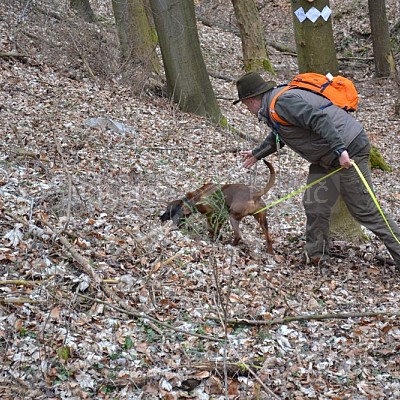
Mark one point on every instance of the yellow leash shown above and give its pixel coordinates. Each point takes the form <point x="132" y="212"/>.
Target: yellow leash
<point x="374" y="199"/>
<point x="304" y="188"/>
<point x="296" y="192"/>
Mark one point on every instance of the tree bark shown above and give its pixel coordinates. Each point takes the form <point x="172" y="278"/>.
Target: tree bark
<point x="254" y="46"/>
<point x="188" y="82"/>
<point x="343" y="225"/>
<point x="314" y="40"/>
<point x="383" y="57"/>
<point x="84" y="10"/>
<point x="136" y="39"/>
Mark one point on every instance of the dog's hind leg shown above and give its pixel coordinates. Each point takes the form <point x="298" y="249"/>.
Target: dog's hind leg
<point x="261" y="217"/>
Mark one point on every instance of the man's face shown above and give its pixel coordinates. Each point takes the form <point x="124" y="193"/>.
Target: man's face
<point x="253" y="104"/>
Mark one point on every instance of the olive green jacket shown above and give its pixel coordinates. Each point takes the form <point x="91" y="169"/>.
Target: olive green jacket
<point x="317" y="127"/>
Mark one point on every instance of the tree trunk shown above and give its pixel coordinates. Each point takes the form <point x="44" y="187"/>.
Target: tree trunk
<point x="314" y="40"/>
<point x="149" y="14"/>
<point x="84" y="10"/>
<point x="136" y="39"/>
<point x="343" y="226"/>
<point x="188" y="82"/>
<point x="383" y="57"/>
<point x="397" y="103"/>
<point x="254" y="47"/>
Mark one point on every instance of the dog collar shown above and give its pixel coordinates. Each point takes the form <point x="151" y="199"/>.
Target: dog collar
<point x="189" y="203"/>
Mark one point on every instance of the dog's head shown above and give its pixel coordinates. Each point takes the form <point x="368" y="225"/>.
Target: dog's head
<point x="177" y="211"/>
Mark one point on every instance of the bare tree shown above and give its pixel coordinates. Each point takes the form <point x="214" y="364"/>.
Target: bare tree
<point x="188" y="82"/>
<point x="136" y="39"/>
<point x="383" y="57"/>
<point x="254" y="46"/>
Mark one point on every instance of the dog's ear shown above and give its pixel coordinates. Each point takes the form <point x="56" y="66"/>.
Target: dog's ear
<point x="174" y="212"/>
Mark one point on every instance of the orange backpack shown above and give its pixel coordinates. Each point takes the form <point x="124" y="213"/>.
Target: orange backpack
<point x="339" y="90"/>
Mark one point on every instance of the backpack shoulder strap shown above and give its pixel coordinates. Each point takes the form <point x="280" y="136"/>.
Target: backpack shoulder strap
<point x="272" y="111"/>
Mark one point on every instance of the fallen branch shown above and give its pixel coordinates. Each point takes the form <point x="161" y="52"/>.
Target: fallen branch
<point x="6" y="55"/>
<point x="84" y="263"/>
<point x="233" y="369"/>
<point x="25" y="153"/>
<point x="170" y="259"/>
<point x="85" y="62"/>
<point x="19" y="282"/>
<point x="363" y="59"/>
<point x="61" y="154"/>
<point x="222" y="77"/>
<point x="88" y="270"/>
<point x="311" y="317"/>
<point x="124" y="308"/>
<point x="18" y="300"/>
<point x="258" y="379"/>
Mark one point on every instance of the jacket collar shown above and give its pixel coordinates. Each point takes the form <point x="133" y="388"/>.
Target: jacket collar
<point x="263" y="112"/>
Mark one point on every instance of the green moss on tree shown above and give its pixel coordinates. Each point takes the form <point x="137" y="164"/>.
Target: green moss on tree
<point x="260" y="65"/>
<point x="268" y="67"/>
<point x="223" y="121"/>
<point x="376" y="160"/>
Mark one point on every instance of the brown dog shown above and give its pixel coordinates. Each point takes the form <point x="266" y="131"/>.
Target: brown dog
<point x="240" y="199"/>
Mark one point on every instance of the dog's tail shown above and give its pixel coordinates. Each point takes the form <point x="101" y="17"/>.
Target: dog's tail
<point x="271" y="182"/>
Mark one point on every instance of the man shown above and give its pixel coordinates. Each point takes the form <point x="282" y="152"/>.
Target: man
<point x="327" y="137"/>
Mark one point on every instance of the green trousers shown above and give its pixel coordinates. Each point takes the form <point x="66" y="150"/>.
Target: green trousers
<point x="320" y="198"/>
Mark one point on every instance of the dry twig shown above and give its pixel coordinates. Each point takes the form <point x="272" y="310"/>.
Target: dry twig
<point x="59" y="151"/>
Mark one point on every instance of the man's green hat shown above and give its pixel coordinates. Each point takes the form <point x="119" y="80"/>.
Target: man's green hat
<point x="252" y="84"/>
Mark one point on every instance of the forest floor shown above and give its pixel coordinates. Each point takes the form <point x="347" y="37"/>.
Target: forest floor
<point x="99" y="300"/>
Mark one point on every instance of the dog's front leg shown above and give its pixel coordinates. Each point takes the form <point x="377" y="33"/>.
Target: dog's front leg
<point x="235" y="223"/>
<point x="214" y="226"/>
<point x="210" y="227"/>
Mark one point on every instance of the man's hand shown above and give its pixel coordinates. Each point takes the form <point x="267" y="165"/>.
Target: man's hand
<point x="345" y="160"/>
<point x="248" y="159"/>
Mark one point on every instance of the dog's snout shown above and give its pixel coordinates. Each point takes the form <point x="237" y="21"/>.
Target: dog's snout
<point x="165" y="217"/>
<point x="177" y="220"/>
<point x="174" y="212"/>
